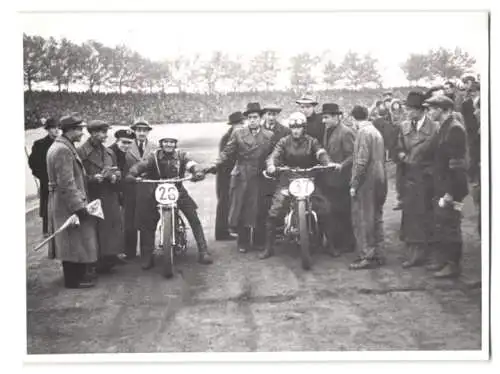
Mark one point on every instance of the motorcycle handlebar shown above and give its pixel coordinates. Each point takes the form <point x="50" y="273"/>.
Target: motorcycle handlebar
<point x="172" y="180"/>
<point x="299" y="170"/>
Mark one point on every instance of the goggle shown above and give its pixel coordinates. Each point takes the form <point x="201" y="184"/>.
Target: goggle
<point x="294" y="123"/>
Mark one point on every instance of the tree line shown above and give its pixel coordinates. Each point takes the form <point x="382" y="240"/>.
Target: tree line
<point x="96" y="65"/>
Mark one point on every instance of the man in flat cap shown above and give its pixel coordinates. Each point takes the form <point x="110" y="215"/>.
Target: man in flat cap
<point x="416" y="151"/>
<point x="368" y="190"/>
<point x="315" y="125"/>
<point x="450" y="185"/>
<point x="249" y="146"/>
<point x="103" y="178"/>
<point x="136" y="194"/>
<point x="77" y="247"/>
<point x="268" y="187"/>
<point x="223" y="177"/>
<point x="339" y="144"/>
<point x="38" y="164"/>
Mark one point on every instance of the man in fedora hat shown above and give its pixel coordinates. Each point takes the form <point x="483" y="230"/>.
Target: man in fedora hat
<point x="77" y="247"/>
<point x="223" y="177"/>
<point x="450" y="186"/>
<point x="103" y="178"/>
<point x="339" y="144"/>
<point x="271" y="123"/>
<point x="249" y="146"/>
<point x="315" y="125"/>
<point x="135" y="194"/>
<point x="415" y="151"/>
<point x="38" y="164"/>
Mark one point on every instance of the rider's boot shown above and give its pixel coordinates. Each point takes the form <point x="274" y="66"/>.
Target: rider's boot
<point x="203" y="254"/>
<point x="147" y="245"/>
<point x="327" y="228"/>
<point x="270" y="239"/>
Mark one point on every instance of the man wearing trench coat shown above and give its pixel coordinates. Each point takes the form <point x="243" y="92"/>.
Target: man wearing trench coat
<point x="103" y="184"/>
<point x="249" y="146"/>
<point x="136" y="195"/>
<point x="76" y="246"/>
<point x="223" y="179"/>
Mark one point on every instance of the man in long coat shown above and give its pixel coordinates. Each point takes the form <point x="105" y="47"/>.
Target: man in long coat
<point x="136" y="195"/>
<point x="77" y="246"/>
<point x="124" y="139"/>
<point x="415" y="150"/>
<point x="339" y="144"/>
<point x="450" y="185"/>
<point x="368" y="191"/>
<point x="223" y="178"/>
<point x="103" y="181"/>
<point x="37" y="162"/>
<point x="271" y="123"/>
<point x="315" y="125"/>
<point x="249" y="146"/>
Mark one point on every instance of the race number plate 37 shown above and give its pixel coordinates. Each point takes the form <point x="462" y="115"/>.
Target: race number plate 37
<point x="166" y="193"/>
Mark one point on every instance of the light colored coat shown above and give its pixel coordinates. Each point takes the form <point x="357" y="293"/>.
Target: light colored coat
<point x="67" y="194"/>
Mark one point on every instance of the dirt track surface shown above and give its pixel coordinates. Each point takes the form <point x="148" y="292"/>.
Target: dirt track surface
<point x="241" y="303"/>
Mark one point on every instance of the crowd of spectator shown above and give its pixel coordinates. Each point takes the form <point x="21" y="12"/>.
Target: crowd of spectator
<point x="160" y="108"/>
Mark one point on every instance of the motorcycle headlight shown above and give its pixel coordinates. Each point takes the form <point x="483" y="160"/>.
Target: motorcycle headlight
<point x="301" y="187"/>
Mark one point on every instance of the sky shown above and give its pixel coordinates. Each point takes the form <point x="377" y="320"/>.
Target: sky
<point x="388" y="36"/>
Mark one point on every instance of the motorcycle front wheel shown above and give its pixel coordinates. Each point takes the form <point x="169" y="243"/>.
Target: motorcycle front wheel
<point x="305" y="252"/>
<point x="168" y="248"/>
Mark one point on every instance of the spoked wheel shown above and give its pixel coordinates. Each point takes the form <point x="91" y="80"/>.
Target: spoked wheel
<point x="168" y="248"/>
<point x="305" y="252"/>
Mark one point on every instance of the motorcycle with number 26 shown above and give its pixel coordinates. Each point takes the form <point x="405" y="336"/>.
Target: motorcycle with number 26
<point x="173" y="235"/>
<point x="301" y="222"/>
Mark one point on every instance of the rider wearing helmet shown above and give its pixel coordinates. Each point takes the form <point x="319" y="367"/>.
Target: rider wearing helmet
<point x="169" y="162"/>
<point x="297" y="150"/>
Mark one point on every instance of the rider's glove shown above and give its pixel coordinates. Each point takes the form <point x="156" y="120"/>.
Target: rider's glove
<point x="212" y="169"/>
<point x="271" y="169"/>
<point x="198" y="176"/>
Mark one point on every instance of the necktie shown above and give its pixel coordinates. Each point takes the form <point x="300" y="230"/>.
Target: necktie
<point x="414" y="124"/>
<point x="141" y="148"/>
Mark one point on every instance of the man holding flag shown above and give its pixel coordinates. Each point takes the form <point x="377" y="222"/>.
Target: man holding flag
<point x="76" y="246"/>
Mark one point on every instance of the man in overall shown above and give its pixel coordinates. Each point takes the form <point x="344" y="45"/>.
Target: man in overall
<point x="165" y="163"/>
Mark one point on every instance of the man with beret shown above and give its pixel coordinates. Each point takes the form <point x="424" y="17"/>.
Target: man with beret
<point x="268" y="187"/>
<point x="249" y="146"/>
<point x="368" y="190"/>
<point x="223" y="177"/>
<point x="450" y="185"/>
<point x="339" y="144"/>
<point x="136" y="194"/>
<point x="103" y="178"/>
<point x="165" y="163"/>
<point x="315" y="125"/>
<point x="416" y="151"/>
<point x="38" y="164"/>
<point x="77" y="246"/>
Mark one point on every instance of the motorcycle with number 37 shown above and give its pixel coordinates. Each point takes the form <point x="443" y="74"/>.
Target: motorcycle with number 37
<point x="301" y="225"/>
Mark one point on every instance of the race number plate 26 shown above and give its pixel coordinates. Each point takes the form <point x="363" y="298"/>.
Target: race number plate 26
<point x="166" y="193"/>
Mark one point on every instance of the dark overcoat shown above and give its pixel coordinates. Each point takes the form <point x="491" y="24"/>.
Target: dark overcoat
<point x="67" y="194"/>
<point x="250" y="152"/>
<point x="450" y="176"/>
<point x="38" y="164"/>
<point x="96" y="159"/>
<point x="418" y="147"/>
<point x="136" y="194"/>
<point x="316" y="127"/>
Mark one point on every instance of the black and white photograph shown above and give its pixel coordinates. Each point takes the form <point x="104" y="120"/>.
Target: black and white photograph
<point x="267" y="181"/>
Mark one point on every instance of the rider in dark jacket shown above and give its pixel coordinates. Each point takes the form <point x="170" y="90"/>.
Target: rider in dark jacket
<point x="165" y="163"/>
<point x="297" y="150"/>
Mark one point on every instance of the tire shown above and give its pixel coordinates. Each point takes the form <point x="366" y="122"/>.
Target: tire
<point x="168" y="249"/>
<point x="305" y="252"/>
